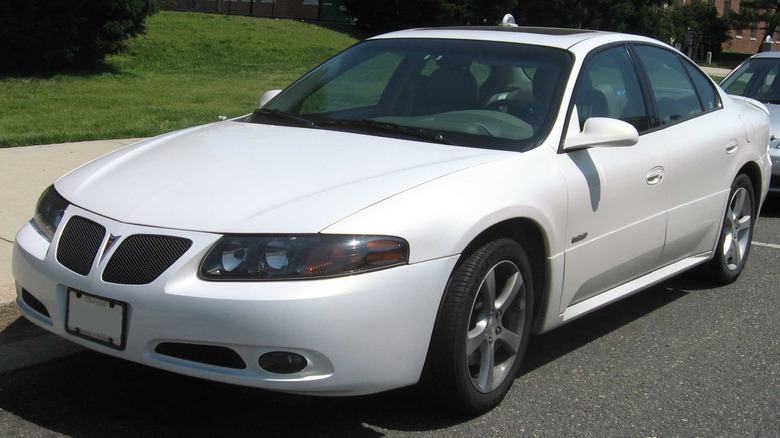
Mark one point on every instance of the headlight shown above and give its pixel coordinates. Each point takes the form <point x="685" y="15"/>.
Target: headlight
<point x="48" y="213"/>
<point x="300" y="257"/>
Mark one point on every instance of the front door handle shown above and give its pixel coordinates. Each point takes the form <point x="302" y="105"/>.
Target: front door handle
<point x="655" y="175"/>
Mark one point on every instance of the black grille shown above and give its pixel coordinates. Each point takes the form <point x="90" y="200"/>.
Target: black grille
<point x="79" y="244"/>
<point x="141" y="258"/>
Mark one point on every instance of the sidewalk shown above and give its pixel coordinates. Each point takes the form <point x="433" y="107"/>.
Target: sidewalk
<point x="715" y="71"/>
<point x="24" y="173"/>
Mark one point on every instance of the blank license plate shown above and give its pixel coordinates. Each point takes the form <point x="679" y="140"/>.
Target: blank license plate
<point x="96" y="318"/>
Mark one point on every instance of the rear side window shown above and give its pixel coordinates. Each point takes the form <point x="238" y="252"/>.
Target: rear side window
<point x="709" y="98"/>
<point x="678" y="91"/>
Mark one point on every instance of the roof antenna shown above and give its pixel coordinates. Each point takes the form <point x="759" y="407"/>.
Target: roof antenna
<point x="508" y="20"/>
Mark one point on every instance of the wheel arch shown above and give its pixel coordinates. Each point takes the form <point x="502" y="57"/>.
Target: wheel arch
<point x="753" y="172"/>
<point x="531" y="236"/>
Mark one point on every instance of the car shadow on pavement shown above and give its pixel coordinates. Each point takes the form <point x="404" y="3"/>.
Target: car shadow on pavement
<point x="771" y="207"/>
<point x="90" y="394"/>
<point x="545" y="348"/>
<point x="13" y="327"/>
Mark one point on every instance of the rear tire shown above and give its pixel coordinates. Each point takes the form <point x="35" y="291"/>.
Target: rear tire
<point x="735" y="236"/>
<point x="482" y="329"/>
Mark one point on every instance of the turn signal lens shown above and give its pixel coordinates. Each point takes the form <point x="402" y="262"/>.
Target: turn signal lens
<point x="49" y="211"/>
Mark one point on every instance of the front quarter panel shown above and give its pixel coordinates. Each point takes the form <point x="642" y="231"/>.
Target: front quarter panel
<point x="440" y="218"/>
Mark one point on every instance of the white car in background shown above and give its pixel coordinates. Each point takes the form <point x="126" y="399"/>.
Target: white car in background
<point x="408" y="212"/>
<point x="759" y="78"/>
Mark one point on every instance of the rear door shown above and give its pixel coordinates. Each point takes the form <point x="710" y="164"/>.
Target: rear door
<point x="701" y="139"/>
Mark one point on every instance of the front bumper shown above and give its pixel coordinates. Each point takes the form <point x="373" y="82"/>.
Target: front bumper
<point x="359" y="334"/>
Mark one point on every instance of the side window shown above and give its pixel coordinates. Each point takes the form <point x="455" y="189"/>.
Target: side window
<point x="608" y="87"/>
<point x="767" y="89"/>
<point x="674" y="94"/>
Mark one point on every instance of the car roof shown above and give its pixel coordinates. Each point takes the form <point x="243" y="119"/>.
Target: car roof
<point x="541" y="36"/>
<point x="767" y="55"/>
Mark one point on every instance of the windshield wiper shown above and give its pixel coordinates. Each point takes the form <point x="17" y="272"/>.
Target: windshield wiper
<point x="303" y="121"/>
<point x="370" y="125"/>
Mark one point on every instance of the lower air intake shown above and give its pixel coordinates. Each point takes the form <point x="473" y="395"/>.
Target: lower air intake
<point x="205" y="354"/>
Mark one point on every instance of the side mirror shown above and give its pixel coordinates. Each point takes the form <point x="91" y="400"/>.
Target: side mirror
<point x="602" y="132"/>
<point x="267" y="96"/>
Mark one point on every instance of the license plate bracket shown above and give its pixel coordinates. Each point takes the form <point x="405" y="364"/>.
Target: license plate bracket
<point x="96" y="318"/>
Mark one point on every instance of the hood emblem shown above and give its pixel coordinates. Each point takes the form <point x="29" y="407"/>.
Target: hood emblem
<point x="109" y="244"/>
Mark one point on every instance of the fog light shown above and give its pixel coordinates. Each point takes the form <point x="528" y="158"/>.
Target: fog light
<point x="282" y="362"/>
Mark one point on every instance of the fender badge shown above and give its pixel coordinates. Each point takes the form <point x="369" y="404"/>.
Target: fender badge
<point x="579" y="237"/>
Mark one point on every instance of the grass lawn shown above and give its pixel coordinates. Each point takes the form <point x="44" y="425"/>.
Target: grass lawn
<point x="188" y="69"/>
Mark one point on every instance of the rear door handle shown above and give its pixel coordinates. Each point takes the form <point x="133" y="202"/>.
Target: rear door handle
<point x="732" y="146"/>
<point x="655" y="175"/>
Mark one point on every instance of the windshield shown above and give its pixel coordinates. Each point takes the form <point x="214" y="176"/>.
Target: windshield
<point x="471" y="93"/>
<point x="757" y="78"/>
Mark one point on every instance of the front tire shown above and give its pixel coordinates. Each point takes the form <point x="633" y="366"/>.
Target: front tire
<point x="482" y="329"/>
<point x="736" y="235"/>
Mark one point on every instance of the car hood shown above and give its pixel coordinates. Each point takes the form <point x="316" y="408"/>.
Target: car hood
<point x="249" y="178"/>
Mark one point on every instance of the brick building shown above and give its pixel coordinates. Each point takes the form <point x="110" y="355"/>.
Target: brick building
<point x="744" y="40"/>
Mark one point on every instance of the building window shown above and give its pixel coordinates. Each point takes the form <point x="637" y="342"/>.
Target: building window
<point x="726" y="8"/>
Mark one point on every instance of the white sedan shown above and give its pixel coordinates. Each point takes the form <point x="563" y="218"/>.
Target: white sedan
<point x="408" y="212"/>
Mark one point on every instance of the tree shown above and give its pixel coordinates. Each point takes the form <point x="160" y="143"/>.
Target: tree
<point x="765" y="12"/>
<point x="643" y="17"/>
<point x="712" y="30"/>
<point x="53" y="34"/>
<point x="632" y="16"/>
<point x="383" y="16"/>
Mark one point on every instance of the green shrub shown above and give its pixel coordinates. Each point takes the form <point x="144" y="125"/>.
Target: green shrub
<point x="54" y="34"/>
